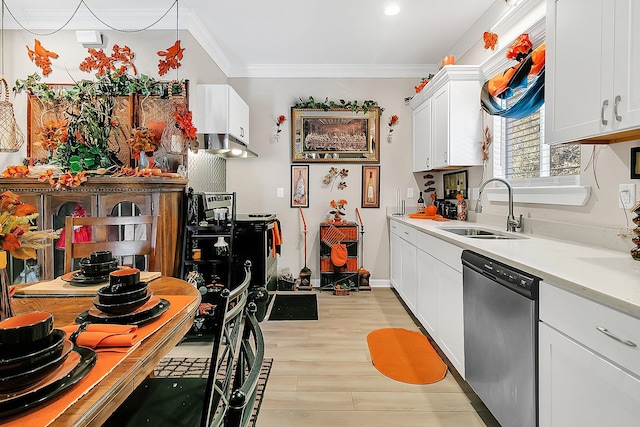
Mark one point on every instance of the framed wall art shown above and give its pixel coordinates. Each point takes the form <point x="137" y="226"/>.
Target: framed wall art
<point x="300" y="186"/>
<point x="335" y="136"/>
<point x="454" y="183"/>
<point x="635" y="163"/>
<point x="370" y="187"/>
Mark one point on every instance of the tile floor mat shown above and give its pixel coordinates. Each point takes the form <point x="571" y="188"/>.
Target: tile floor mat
<point x="198" y="367"/>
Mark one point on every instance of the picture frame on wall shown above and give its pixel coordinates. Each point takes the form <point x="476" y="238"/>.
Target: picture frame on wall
<point x="337" y="135"/>
<point x="635" y="163"/>
<point x="370" y="187"/>
<point x="300" y="186"/>
<point x="454" y="183"/>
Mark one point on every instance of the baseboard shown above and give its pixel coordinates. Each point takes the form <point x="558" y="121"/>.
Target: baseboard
<point x="375" y="283"/>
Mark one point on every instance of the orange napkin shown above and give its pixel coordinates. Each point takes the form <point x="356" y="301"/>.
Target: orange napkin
<point x="113" y="337"/>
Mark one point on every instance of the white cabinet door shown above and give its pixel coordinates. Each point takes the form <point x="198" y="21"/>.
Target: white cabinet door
<point x="626" y="90"/>
<point x="238" y="117"/>
<point x="409" y="274"/>
<point x="575" y="91"/>
<point x="422" y="134"/>
<point x="396" y="260"/>
<point x="450" y="323"/>
<point x="579" y="388"/>
<point x="427" y="305"/>
<point x="440" y="117"/>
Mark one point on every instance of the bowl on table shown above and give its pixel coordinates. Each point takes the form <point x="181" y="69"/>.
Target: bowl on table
<point x="25" y="328"/>
<point x="123" y="278"/>
<point x="109" y="295"/>
<point x="100" y="263"/>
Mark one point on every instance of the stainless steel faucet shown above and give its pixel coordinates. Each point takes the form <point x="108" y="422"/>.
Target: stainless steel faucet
<point x="512" y="222"/>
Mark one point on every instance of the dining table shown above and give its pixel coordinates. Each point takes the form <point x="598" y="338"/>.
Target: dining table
<point x="97" y="401"/>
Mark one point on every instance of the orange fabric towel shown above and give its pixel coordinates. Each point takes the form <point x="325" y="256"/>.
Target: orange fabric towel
<point x="277" y="239"/>
<point x="99" y="336"/>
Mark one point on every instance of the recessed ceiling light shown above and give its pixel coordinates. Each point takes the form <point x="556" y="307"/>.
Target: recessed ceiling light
<point x="392" y="9"/>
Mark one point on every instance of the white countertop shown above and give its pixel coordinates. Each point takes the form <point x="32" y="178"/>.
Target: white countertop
<point x="604" y="275"/>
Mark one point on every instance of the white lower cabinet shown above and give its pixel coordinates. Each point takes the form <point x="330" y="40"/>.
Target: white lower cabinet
<point x="427" y="304"/>
<point x="409" y="274"/>
<point x="427" y="273"/>
<point x="450" y="332"/>
<point x="395" y="251"/>
<point x="588" y="362"/>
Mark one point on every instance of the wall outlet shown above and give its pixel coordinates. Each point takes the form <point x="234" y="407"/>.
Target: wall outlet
<point x="409" y="193"/>
<point x="475" y="192"/>
<point x="280" y="192"/>
<point x="626" y="196"/>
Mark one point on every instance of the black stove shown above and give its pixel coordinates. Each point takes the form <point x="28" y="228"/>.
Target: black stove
<point x="254" y="241"/>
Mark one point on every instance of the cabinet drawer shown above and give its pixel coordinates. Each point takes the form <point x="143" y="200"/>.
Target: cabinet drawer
<point x="588" y="322"/>
<point x="409" y="234"/>
<point x="443" y="251"/>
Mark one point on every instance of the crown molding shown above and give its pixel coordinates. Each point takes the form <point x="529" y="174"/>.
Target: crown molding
<point x="334" y="71"/>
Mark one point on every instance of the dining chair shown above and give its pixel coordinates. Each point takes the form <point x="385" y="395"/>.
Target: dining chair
<point x="226" y="396"/>
<point x="124" y="236"/>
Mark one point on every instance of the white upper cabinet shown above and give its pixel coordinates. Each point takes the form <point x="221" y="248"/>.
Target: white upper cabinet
<point x="220" y="110"/>
<point x="592" y="88"/>
<point x="422" y="136"/>
<point x="447" y="121"/>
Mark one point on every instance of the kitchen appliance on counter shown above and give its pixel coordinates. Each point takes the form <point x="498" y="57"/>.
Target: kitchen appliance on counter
<point x="501" y="338"/>
<point x="254" y="241"/>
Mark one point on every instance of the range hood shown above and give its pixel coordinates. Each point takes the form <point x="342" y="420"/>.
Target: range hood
<point x="224" y="145"/>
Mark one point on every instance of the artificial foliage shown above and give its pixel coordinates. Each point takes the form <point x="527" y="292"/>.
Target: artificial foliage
<point x="327" y="105"/>
<point x="90" y="120"/>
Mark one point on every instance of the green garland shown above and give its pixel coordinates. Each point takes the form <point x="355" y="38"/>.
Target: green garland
<point x="330" y="105"/>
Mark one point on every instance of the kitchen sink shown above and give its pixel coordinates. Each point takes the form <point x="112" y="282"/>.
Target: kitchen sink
<point x="480" y="233"/>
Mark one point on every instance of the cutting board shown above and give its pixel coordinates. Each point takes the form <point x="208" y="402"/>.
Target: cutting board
<point x="435" y="217"/>
<point x="60" y="287"/>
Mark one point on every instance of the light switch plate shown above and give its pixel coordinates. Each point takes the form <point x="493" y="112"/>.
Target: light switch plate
<point x="409" y="192"/>
<point x="626" y="196"/>
<point x="280" y="192"/>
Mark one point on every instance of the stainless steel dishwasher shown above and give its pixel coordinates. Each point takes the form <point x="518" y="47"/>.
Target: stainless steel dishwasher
<point x="501" y="338"/>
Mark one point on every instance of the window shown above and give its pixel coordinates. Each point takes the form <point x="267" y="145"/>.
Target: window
<point x="522" y="157"/>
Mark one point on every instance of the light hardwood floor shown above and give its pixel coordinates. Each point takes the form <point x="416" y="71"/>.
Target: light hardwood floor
<point x="322" y="374"/>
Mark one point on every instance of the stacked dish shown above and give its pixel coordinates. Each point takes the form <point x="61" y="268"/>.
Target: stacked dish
<point x="29" y="349"/>
<point x="93" y="269"/>
<point x="126" y="300"/>
<point x="37" y="361"/>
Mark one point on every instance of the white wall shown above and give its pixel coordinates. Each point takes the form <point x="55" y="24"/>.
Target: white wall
<point x="256" y="180"/>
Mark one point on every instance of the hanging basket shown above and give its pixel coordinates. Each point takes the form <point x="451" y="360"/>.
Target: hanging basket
<point x="172" y="139"/>
<point x="11" y="137"/>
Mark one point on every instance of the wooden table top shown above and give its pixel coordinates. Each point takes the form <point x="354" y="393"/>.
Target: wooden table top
<point x="98" y="404"/>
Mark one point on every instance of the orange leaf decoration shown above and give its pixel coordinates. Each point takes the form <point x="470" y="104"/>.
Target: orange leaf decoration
<point x="10" y="242"/>
<point x="40" y="56"/>
<point x="98" y="60"/>
<point x="520" y="47"/>
<point x="490" y="40"/>
<point x="173" y="56"/>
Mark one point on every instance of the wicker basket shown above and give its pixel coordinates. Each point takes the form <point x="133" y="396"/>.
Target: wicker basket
<point x="11" y="137"/>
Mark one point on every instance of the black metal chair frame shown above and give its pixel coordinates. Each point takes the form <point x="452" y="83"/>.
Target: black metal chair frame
<point x="228" y="393"/>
